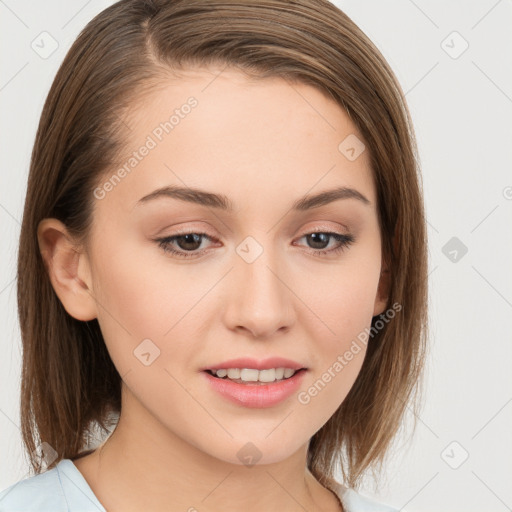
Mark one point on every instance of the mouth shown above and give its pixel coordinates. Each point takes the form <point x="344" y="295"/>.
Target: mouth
<point x="255" y="377"/>
<point x="252" y="388"/>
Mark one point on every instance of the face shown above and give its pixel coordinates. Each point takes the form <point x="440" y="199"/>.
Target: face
<point x="184" y="282"/>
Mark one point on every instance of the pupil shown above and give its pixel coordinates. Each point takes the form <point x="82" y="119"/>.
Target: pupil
<point x="192" y="238"/>
<point x="324" y="240"/>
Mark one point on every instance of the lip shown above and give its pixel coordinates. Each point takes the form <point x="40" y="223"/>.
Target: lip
<point x="256" y="395"/>
<point x="265" y="364"/>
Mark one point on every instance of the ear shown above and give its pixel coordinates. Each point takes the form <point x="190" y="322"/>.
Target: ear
<point x="382" y="296"/>
<point x="68" y="269"/>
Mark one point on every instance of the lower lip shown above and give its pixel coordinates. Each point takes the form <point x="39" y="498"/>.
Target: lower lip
<point x="256" y="395"/>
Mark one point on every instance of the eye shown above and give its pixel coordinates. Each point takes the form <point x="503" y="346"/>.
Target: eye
<point x="321" y="239"/>
<point x="189" y="243"/>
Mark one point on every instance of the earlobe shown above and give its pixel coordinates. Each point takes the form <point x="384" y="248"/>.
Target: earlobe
<point x="384" y="288"/>
<point x="382" y="296"/>
<point x="68" y="269"/>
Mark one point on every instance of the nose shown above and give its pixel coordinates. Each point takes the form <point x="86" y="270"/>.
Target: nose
<point x="259" y="299"/>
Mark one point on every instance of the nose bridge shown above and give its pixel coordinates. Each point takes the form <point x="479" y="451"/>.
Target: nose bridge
<point x="261" y="301"/>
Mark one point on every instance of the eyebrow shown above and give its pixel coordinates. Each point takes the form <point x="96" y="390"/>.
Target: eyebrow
<point x="222" y="202"/>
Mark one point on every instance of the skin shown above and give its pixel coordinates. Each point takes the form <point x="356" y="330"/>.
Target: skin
<point x="263" y="144"/>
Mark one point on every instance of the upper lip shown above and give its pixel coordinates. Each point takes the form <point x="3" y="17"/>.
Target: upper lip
<point x="264" y="364"/>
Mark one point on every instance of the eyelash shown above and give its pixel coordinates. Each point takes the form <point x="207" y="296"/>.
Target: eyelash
<point x="165" y="243"/>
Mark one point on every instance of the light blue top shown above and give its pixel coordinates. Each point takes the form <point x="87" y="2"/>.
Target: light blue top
<point x="64" y="489"/>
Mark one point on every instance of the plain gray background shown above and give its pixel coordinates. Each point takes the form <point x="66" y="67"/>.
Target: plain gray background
<point x="460" y="458"/>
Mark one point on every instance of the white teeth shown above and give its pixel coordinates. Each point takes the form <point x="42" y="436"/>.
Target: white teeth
<point x="248" y="375"/>
<point x="252" y="375"/>
<point x="267" y="375"/>
<point x="233" y="373"/>
<point x="288" y="372"/>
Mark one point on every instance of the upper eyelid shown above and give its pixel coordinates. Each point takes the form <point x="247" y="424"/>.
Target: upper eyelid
<point x="213" y="237"/>
<point x="200" y="230"/>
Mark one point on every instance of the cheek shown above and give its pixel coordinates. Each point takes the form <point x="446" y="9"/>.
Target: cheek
<point x="342" y="298"/>
<point x="339" y="328"/>
<point x="144" y="296"/>
<point x="338" y="356"/>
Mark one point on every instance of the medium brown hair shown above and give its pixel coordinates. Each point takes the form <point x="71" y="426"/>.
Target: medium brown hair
<point x="69" y="383"/>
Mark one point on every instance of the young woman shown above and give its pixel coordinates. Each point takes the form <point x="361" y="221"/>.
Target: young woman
<point x="223" y="256"/>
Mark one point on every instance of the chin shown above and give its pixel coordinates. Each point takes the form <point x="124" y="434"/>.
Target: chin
<point x="258" y="451"/>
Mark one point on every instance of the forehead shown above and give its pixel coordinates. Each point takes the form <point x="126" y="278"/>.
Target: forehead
<point x="250" y="139"/>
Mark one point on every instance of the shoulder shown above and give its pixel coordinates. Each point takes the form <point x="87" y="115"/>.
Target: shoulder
<point x="35" y="493"/>
<point x="59" y="489"/>
<point x="356" y="502"/>
<point x="39" y="492"/>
